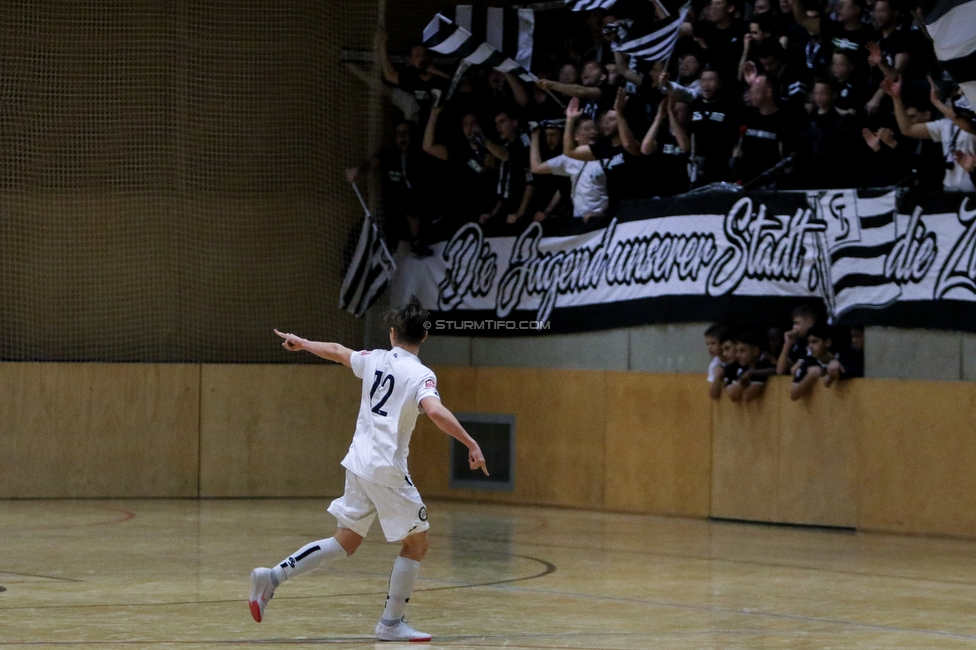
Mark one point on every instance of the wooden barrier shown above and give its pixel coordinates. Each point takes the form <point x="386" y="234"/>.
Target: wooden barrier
<point x="791" y="462"/>
<point x="98" y="430"/>
<point x="275" y="430"/>
<point x="882" y="455"/>
<point x="917" y="457"/>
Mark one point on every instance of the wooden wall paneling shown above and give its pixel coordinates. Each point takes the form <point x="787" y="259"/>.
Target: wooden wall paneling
<point x="559" y="431"/>
<point x="917" y="457"/>
<point x="275" y="430"/>
<point x="817" y="463"/>
<point x="558" y="434"/>
<point x="98" y="430"/>
<point x="658" y="444"/>
<point x="745" y="457"/>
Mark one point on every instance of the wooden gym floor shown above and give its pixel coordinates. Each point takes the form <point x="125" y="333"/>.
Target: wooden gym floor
<point x="174" y="574"/>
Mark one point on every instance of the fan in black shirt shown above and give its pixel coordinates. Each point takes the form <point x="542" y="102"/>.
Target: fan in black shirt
<point x="722" y="35"/>
<point x="767" y="134"/>
<point x="473" y="169"/>
<point x="713" y="127"/>
<point x="667" y="144"/>
<point x="620" y="162"/>
<point x="418" y="78"/>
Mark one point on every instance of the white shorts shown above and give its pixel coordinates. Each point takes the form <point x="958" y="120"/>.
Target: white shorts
<point x="401" y="510"/>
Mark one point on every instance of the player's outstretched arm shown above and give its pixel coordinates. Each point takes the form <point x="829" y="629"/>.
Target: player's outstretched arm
<point x="446" y="422"/>
<point x="330" y="351"/>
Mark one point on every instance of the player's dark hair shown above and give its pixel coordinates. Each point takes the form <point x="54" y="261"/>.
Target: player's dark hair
<point x="409" y="322"/>
<point x="725" y="334"/>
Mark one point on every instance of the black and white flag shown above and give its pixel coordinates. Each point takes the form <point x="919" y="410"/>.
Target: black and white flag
<point x="370" y="270"/>
<point x="652" y="40"/>
<point x="444" y="36"/>
<point x="952" y="26"/>
<point x="589" y="5"/>
<point x="509" y="30"/>
<point x="861" y="231"/>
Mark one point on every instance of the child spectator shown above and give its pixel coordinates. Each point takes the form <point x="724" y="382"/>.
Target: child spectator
<point x="714" y="346"/>
<point x="795" y="341"/>
<point x="725" y="356"/>
<point x="850" y="362"/>
<point x="751" y="371"/>
<point x="774" y="339"/>
<point x="814" y="366"/>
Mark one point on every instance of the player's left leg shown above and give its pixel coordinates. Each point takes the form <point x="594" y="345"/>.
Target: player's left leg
<point x="403" y="517"/>
<point x="392" y="627"/>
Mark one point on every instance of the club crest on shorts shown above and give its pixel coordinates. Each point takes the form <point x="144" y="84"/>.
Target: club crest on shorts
<point x="423" y="513"/>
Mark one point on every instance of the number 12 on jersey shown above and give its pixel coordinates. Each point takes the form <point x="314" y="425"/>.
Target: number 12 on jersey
<point x="381" y="381"/>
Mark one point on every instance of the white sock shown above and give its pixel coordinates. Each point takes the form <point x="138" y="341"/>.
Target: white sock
<point x="308" y="558"/>
<point x="401" y="586"/>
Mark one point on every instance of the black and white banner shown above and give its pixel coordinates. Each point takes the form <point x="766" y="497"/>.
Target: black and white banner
<point x="873" y="257"/>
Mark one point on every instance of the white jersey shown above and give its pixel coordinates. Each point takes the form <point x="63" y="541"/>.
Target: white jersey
<point x="588" y="183"/>
<point x="394" y="382"/>
<point x="953" y="139"/>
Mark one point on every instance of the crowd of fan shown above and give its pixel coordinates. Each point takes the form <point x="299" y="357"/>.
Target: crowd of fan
<point x="773" y="94"/>
<point x="744" y="359"/>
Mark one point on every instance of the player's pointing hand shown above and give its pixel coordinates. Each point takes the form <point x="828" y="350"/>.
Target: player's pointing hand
<point x="476" y="459"/>
<point x="291" y="343"/>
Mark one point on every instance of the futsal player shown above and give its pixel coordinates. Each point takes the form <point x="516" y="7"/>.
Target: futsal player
<point x="396" y="388"/>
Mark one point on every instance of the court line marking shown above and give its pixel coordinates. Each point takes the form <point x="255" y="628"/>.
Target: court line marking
<point x="548" y="568"/>
<point x="705" y="558"/>
<point x="37" y="575"/>
<point x="745" y="612"/>
<point x="127" y="515"/>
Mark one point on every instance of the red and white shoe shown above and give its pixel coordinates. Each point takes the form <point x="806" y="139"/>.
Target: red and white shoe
<point x="262" y="590"/>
